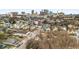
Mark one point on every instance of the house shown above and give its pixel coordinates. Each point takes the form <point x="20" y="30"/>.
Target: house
<point x="68" y="17"/>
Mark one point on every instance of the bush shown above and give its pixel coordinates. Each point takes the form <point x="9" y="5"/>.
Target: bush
<point x="3" y="36"/>
<point x="53" y="40"/>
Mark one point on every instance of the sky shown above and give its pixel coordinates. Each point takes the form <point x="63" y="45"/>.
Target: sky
<point x="66" y="6"/>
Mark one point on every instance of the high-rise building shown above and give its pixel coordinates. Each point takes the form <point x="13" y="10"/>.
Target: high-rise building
<point x="23" y="13"/>
<point x="44" y="12"/>
<point x="32" y="12"/>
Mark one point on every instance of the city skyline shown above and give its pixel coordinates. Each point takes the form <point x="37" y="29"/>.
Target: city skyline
<point x="66" y="11"/>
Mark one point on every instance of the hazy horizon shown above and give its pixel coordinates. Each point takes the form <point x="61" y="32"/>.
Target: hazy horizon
<point x="66" y="11"/>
